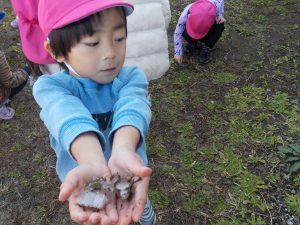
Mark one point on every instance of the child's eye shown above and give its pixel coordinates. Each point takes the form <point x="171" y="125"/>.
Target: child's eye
<point x="91" y="44"/>
<point x="121" y="39"/>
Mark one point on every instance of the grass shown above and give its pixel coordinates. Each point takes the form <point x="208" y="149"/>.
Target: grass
<point x="246" y="118"/>
<point x="293" y="203"/>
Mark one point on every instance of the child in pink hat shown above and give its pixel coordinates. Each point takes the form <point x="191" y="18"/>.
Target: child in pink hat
<point x="11" y="83"/>
<point x="32" y="37"/>
<point x="96" y="110"/>
<point x="141" y="33"/>
<point x="201" y="21"/>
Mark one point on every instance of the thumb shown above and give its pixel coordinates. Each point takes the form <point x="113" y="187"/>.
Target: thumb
<point x="68" y="186"/>
<point x="140" y="170"/>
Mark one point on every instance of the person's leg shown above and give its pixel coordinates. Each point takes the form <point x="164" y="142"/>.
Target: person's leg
<point x="10" y="79"/>
<point x="16" y="90"/>
<point x="209" y="41"/>
<point x="6" y="113"/>
<point x="4" y="93"/>
<point x="213" y="35"/>
<point x="148" y="217"/>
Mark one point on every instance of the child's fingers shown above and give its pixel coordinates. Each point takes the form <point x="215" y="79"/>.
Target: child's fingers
<point x="140" y="198"/>
<point x="112" y="213"/>
<point x="68" y="186"/>
<point x="77" y="213"/>
<point x="134" y="164"/>
<point x="66" y="189"/>
<point x="138" y="209"/>
<point x="99" y="218"/>
<point x="106" y="220"/>
<point x="125" y="213"/>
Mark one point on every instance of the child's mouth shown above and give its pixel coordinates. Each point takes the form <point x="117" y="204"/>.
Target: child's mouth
<point x="109" y="69"/>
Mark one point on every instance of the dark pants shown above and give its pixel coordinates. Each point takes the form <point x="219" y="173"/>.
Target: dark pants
<point x="16" y="90"/>
<point x="210" y="39"/>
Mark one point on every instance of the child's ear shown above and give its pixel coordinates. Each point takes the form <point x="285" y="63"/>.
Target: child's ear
<point x="47" y="46"/>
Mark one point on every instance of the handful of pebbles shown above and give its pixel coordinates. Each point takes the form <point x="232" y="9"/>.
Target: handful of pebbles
<point x="99" y="192"/>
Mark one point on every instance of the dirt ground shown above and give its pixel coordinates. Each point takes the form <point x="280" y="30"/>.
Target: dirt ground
<point x="194" y="182"/>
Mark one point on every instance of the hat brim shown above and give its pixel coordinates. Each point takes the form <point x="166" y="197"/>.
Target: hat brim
<point x="89" y="8"/>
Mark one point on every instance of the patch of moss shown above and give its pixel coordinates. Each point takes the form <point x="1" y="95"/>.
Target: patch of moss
<point x="247" y="188"/>
<point x="293" y="203"/>
<point x="229" y="163"/>
<point x="159" y="199"/>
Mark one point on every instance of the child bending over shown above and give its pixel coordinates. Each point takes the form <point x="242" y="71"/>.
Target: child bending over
<point x="96" y="110"/>
<point x="201" y="21"/>
<point x="11" y="83"/>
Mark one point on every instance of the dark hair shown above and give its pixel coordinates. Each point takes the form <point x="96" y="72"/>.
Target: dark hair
<point x="63" y="39"/>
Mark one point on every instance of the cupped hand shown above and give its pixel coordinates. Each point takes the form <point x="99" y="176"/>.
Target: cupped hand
<point x="127" y="162"/>
<point x="73" y="184"/>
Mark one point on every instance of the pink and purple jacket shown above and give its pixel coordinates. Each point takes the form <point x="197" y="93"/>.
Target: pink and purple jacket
<point x="182" y="23"/>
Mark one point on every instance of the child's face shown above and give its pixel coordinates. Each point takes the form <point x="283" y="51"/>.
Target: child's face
<point x="100" y="57"/>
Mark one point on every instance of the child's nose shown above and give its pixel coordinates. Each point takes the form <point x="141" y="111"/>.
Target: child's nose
<point x="109" y="51"/>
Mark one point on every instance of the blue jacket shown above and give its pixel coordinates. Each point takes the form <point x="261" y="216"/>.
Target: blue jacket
<point x="71" y="106"/>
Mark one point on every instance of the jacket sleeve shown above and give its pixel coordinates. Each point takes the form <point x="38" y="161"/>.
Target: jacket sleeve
<point x="133" y="104"/>
<point x="180" y="27"/>
<point x="220" y="7"/>
<point x="64" y="115"/>
<point x="9" y="79"/>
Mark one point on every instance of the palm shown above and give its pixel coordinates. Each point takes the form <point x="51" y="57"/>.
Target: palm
<point x="73" y="185"/>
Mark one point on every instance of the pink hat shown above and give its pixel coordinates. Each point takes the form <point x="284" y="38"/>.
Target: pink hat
<point x="32" y="37"/>
<point x="55" y="14"/>
<point x="200" y="19"/>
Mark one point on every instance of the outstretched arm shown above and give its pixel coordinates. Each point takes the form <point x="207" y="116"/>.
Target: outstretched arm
<point x="126" y="162"/>
<point x="131" y="120"/>
<point x="87" y="151"/>
<point x="220" y="7"/>
<point x="180" y="27"/>
<point x="70" y="123"/>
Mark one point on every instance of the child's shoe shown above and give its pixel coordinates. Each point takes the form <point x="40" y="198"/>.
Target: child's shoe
<point x="6" y="113"/>
<point x="15" y="23"/>
<point x="148" y="217"/>
<point x="204" y="55"/>
<point x="2" y="15"/>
